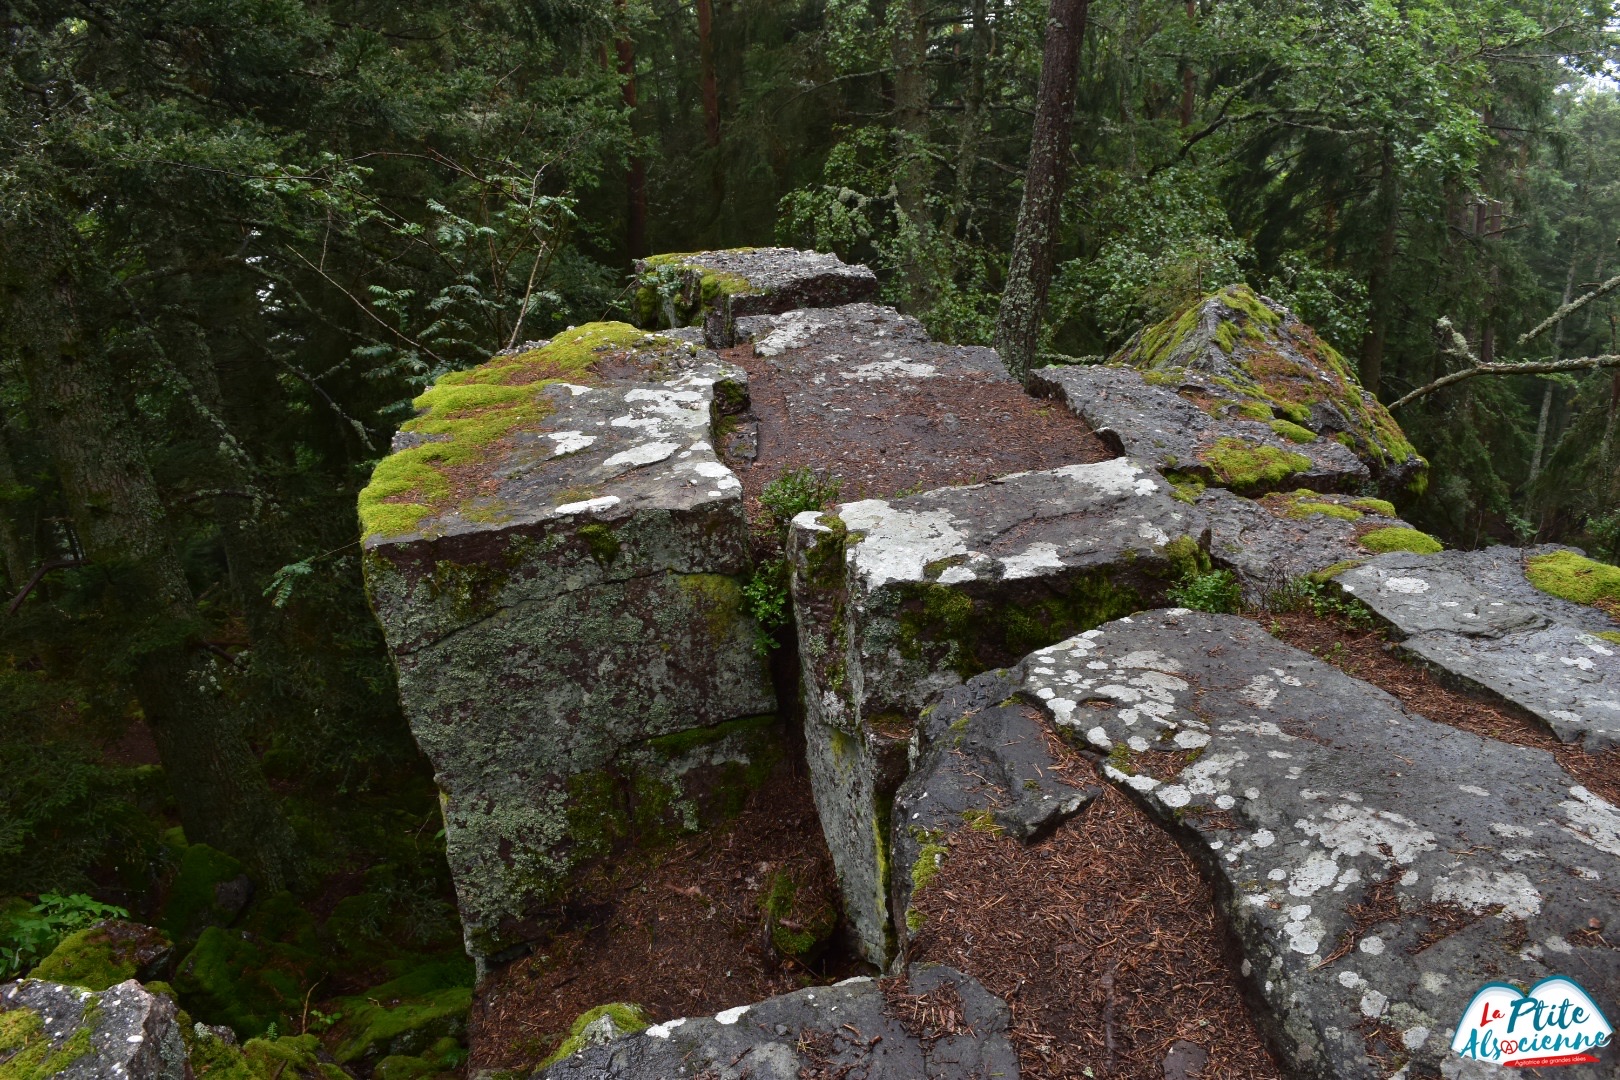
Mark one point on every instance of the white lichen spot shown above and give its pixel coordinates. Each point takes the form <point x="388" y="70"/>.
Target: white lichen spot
<point x="1474" y="790"/>
<point x="1592" y="820"/>
<point x="645" y="454"/>
<point x="589" y="506"/>
<point x="1478" y="890"/>
<point x="1032" y="562"/>
<point x="661" y="1031"/>
<point x="1352" y="830"/>
<point x="1315" y="875"/>
<point x="1373" y="1004"/>
<point x="1174" y="796"/>
<point x="569" y="442"/>
<point x="899" y="544"/>
<point x="1372" y="945"/>
<point x="1434" y="982"/>
<point x="1098" y="737"/>
<point x="1413" y="1038"/>
<point x="730" y="1016"/>
<point x="1409" y="586"/>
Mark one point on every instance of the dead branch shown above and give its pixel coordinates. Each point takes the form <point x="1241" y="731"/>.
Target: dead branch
<point x="39" y="576"/>
<point x="1568" y="309"/>
<point x="1452" y="344"/>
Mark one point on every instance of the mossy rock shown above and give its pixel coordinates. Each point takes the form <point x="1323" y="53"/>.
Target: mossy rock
<point x="595" y="1026"/>
<point x="465" y="412"/>
<point x="1248" y="466"/>
<point x="285" y="1057"/>
<point x="28" y="1053"/>
<point x="1571" y="576"/>
<point x="240" y="980"/>
<point x="799" y="918"/>
<point x="211" y="888"/>
<point x="106" y="954"/>
<point x="1262" y="362"/>
<point x="1400" y="539"/>
<point x="403" y="1017"/>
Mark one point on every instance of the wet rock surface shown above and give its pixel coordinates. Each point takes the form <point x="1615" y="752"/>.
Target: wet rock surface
<point x="1474" y="616"/>
<point x="1377" y="868"/>
<point x="62" y="1031"/>
<point x="855" y="1028"/>
<point x="897" y="600"/>
<point x="861" y="393"/>
<point x="718" y="288"/>
<point x="573" y="646"/>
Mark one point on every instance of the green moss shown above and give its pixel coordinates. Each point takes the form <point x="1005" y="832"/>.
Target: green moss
<point x="1610" y="635"/>
<point x="464" y="412"/>
<point x="800" y="924"/>
<point x="1302" y="503"/>
<point x="1242" y="298"/>
<point x="1226" y="334"/>
<point x="245" y="983"/>
<point x="930" y="861"/>
<point x="599" y="539"/>
<point x="1162" y="378"/>
<point x="469" y="592"/>
<point x="1398" y="539"/>
<point x="981" y="821"/>
<point x="1119" y="756"/>
<point x="1576" y="578"/>
<point x="1292" y="431"/>
<point x="1243" y="465"/>
<point x="95" y="958"/>
<point x="1250" y="409"/>
<point x="31" y="1056"/>
<point x="1374" y="506"/>
<point x="1186" y="487"/>
<point x="914" y="920"/>
<point x="192" y="903"/>
<point x="401" y="1017"/>
<point x="1328" y="573"/>
<point x="626" y="1018"/>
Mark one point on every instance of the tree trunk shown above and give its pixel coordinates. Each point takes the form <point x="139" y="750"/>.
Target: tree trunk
<point x="706" y="73"/>
<point x="909" y="54"/>
<point x="1189" y="78"/>
<point x="1029" y="270"/>
<point x="967" y="143"/>
<point x="1547" y="389"/>
<point x="1380" y="291"/>
<point x="115" y="508"/>
<point x="636" y="177"/>
<point x="14" y="549"/>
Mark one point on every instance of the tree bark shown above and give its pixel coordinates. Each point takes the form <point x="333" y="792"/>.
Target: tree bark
<point x="909" y="54"/>
<point x="1380" y="291"/>
<point x="120" y="521"/>
<point x="1029" y="270"/>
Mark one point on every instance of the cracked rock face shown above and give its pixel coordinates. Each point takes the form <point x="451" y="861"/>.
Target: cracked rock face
<point x="121" y="1033"/>
<point x="723" y="287"/>
<point x="827" y="1030"/>
<point x="1376" y="867"/>
<point x="1474" y="616"/>
<point x="581" y="603"/>
<point x="897" y="600"/>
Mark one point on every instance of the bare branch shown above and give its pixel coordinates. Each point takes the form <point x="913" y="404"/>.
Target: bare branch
<point x="1452" y="344"/>
<point x="39" y="576"/>
<point x="1569" y="309"/>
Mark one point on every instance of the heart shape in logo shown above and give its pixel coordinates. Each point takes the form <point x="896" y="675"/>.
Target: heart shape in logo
<point x="1556" y="1023"/>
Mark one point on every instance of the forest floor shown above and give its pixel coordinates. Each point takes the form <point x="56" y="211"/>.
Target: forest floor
<point x="680" y="931"/>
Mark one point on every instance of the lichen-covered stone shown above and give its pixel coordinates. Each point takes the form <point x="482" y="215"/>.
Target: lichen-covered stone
<point x="577" y="600"/>
<point x="717" y="288"/>
<point x="1239" y="393"/>
<point x="1377" y="868"/>
<point x="897" y="600"/>
<point x="1476" y="617"/>
<point x="845" y="1030"/>
<point x="48" y="1029"/>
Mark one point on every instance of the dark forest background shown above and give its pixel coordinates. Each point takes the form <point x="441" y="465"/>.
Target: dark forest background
<point x="237" y="237"/>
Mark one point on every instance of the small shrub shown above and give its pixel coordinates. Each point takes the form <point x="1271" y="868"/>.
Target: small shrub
<point x="1216" y="592"/>
<point x="33" y="934"/>
<point x="1322" y="600"/>
<point x="794" y="492"/>
<point x="767" y="596"/>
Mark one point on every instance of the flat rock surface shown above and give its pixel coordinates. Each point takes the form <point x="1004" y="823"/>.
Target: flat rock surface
<point x="1154" y="423"/>
<point x="1474" y="616"/>
<point x="1376" y="867"/>
<point x="1270" y="542"/>
<point x="725" y="286"/>
<point x="853" y="1029"/>
<point x="131" y="1034"/>
<point x="860" y="393"/>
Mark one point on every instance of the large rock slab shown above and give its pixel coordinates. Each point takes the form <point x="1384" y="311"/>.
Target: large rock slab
<point x="717" y="288"/>
<point x="1272" y="541"/>
<point x="851" y="1029"/>
<point x="49" y="1029"/>
<point x="1474" y="616"/>
<point x="897" y="600"/>
<point x="1377" y="868"/>
<point x="556" y="556"/>
<point x="1237" y="392"/>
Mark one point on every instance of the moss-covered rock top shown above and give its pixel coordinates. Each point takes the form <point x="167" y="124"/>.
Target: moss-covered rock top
<point x="466" y="419"/>
<point x="1571" y="576"/>
<point x="1238" y="355"/>
<point x="684" y="288"/>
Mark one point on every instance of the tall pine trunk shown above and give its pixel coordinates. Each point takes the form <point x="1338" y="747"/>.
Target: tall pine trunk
<point x="1380" y="284"/>
<point x="1029" y="271"/>
<point x="119" y="518"/>
<point x="636" y="176"/>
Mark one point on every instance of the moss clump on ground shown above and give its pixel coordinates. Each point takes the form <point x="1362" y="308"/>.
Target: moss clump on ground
<point x="1302" y="503"/>
<point x="243" y="982"/>
<point x="402" y="1017"/>
<point x="1240" y="464"/>
<point x="1398" y="539"/>
<point x="466" y="411"/>
<point x="1610" y="635"/>
<point x="801" y="923"/>
<point x="1576" y="578"/>
<point x="930" y="861"/>
<point x="1374" y="506"/>
<point x="624" y="1018"/>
